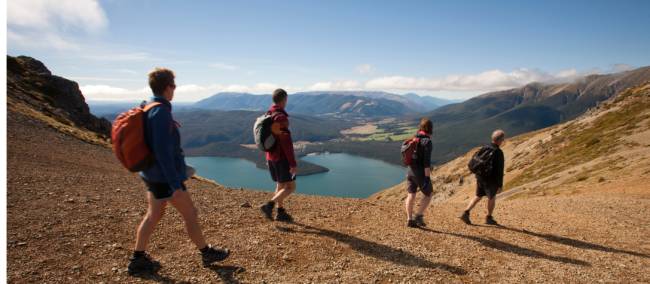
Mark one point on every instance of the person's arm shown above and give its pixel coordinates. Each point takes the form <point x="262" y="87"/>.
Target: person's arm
<point x="499" y="167"/>
<point x="285" y="141"/>
<point x="428" y="148"/>
<point x="162" y="145"/>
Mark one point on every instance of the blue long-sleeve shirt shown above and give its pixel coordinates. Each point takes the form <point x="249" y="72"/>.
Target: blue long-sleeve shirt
<point x="164" y="140"/>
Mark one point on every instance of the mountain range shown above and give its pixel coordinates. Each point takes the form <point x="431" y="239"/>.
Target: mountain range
<point x="334" y="103"/>
<point x="462" y="126"/>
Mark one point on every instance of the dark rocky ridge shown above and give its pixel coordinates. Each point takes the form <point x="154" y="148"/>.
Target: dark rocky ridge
<point x="30" y="83"/>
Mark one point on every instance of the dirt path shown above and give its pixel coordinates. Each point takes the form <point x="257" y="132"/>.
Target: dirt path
<point x="72" y="212"/>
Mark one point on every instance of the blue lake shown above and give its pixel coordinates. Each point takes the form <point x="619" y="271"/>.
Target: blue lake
<point x="349" y="176"/>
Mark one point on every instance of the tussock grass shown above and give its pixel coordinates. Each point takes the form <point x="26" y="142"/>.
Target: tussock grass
<point x="579" y="144"/>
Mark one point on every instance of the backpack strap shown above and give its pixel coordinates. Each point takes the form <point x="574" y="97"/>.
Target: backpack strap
<point x="150" y="105"/>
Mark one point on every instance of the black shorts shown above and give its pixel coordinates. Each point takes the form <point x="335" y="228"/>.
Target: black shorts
<point x="414" y="182"/>
<point x="162" y="190"/>
<point x="280" y="171"/>
<point x="485" y="189"/>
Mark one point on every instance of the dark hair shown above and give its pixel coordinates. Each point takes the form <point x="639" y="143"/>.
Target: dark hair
<point x="160" y="79"/>
<point x="279" y="95"/>
<point x="426" y="125"/>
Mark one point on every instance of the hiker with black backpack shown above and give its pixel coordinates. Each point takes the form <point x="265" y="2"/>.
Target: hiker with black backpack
<point x="147" y="139"/>
<point x="487" y="164"/>
<point x="272" y="136"/>
<point x="416" y="155"/>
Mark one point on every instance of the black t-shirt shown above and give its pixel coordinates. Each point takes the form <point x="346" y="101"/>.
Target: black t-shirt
<point x="423" y="156"/>
<point x="498" y="163"/>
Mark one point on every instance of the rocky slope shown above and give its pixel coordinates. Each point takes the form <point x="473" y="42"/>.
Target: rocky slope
<point x="33" y="90"/>
<point x="532" y="107"/>
<point x="72" y="212"/>
<point x="605" y="149"/>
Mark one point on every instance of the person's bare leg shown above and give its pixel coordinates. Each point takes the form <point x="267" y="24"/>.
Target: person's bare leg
<point x="424" y="203"/>
<point x="182" y="201"/>
<point x="472" y="203"/>
<point x="408" y="203"/>
<point x="155" y="211"/>
<point x="491" y="204"/>
<point x="286" y="189"/>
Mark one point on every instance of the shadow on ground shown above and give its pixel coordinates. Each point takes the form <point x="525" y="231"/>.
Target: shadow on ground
<point x="573" y="242"/>
<point x="376" y="250"/>
<point x="511" y="248"/>
<point x="227" y="273"/>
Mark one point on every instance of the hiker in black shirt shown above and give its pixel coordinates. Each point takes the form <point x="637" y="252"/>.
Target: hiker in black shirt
<point x="417" y="176"/>
<point x="489" y="185"/>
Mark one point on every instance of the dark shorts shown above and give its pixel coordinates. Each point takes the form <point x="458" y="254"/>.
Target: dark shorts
<point x="161" y="190"/>
<point x="414" y="182"/>
<point x="485" y="189"/>
<point x="280" y="171"/>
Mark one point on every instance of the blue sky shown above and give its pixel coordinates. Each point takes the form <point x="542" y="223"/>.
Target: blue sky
<point x="451" y="49"/>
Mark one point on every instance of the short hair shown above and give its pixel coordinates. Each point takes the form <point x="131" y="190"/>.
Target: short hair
<point x="160" y="79"/>
<point x="279" y="95"/>
<point x="498" y="135"/>
<point x="426" y="125"/>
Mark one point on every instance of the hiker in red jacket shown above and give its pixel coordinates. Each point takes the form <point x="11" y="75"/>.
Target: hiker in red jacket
<point x="418" y="176"/>
<point x="281" y="159"/>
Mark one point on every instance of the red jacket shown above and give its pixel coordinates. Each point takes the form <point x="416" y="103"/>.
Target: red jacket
<point x="283" y="149"/>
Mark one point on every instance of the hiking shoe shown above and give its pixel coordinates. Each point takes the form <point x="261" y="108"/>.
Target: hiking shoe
<point x="210" y="255"/>
<point x="490" y="221"/>
<point x="283" y="216"/>
<point x="142" y="264"/>
<point x="465" y="218"/>
<point x="419" y="220"/>
<point x="267" y="209"/>
<point x="412" y="224"/>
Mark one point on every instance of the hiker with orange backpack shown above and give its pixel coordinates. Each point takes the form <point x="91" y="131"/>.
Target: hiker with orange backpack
<point x="416" y="155"/>
<point x="147" y="140"/>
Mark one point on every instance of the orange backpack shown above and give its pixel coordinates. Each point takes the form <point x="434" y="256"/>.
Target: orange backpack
<point x="128" y="138"/>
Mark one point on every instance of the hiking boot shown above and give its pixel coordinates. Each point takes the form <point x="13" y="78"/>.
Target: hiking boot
<point x="465" y="218"/>
<point x="142" y="264"/>
<point x="490" y="221"/>
<point x="283" y="216"/>
<point x="412" y="224"/>
<point x="419" y="220"/>
<point x="267" y="209"/>
<point x="210" y="255"/>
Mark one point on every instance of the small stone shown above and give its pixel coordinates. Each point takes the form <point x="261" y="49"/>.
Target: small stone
<point x="245" y="205"/>
<point x="118" y="190"/>
<point x="21" y="244"/>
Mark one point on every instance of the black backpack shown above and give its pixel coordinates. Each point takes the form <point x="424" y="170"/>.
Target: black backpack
<point x="481" y="163"/>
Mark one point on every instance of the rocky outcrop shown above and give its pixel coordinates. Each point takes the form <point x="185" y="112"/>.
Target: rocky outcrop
<point x="30" y="84"/>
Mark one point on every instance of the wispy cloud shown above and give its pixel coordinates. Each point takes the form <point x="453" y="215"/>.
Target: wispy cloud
<point x="188" y="92"/>
<point x="490" y="80"/>
<point x="47" y="24"/>
<point x="223" y="66"/>
<point x="336" y="85"/>
<point x="120" y="56"/>
<point x="463" y="85"/>
<point x="365" y="69"/>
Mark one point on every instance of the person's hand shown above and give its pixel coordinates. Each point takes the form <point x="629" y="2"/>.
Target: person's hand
<point x="293" y="171"/>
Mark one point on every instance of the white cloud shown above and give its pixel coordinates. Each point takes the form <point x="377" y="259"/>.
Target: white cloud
<point x="187" y="92"/>
<point x="120" y="56"/>
<point x="223" y="66"/>
<point x="490" y="80"/>
<point x="365" y="69"/>
<point x="337" y="85"/>
<point x="46" y="24"/>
